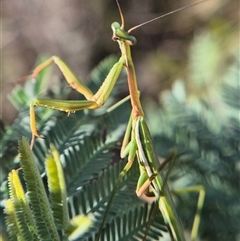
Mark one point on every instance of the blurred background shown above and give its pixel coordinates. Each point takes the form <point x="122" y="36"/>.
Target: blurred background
<point x="79" y="32"/>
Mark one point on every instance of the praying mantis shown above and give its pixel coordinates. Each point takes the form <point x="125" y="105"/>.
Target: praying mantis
<point x="137" y="141"/>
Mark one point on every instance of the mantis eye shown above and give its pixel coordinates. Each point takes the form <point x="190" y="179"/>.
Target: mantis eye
<point x="115" y="38"/>
<point x="131" y="41"/>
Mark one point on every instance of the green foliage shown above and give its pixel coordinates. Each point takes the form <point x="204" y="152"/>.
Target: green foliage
<point x="202" y="124"/>
<point x="34" y="217"/>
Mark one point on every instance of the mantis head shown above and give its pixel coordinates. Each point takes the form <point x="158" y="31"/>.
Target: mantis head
<point x="120" y="34"/>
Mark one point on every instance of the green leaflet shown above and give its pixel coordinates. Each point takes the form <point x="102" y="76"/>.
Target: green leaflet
<point x="57" y="188"/>
<point x="41" y="210"/>
<point x="44" y="220"/>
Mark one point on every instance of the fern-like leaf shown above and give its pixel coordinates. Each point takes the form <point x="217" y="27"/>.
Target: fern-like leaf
<point x="57" y="189"/>
<point x="13" y="228"/>
<point x="24" y="222"/>
<point x="41" y="210"/>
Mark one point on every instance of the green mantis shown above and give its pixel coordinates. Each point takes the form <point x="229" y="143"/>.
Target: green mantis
<point x="137" y="141"/>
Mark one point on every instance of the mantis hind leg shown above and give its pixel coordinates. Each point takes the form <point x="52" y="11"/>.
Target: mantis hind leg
<point x="93" y="101"/>
<point x="70" y="77"/>
<point x="201" y="197"/>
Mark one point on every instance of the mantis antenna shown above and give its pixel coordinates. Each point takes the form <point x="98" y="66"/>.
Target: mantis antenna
<point x="121" y="15"/>
<point x="151" y="20"/>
